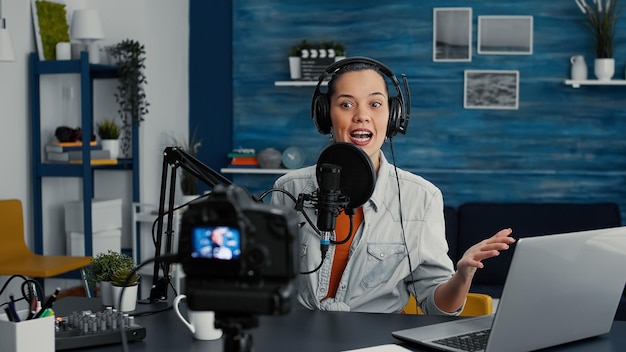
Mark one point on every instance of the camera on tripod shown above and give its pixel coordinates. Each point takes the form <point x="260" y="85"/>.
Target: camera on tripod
<point x="239" y="256"/>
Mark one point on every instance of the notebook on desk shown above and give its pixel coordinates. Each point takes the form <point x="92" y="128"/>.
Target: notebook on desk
<point x="560" y="288"/>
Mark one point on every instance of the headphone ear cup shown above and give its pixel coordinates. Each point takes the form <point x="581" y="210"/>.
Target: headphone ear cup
<point x="396" y="111"/>
<point x="321" y="114"/>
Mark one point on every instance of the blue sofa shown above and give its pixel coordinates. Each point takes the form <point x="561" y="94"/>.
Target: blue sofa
<point x="472" y="222"/>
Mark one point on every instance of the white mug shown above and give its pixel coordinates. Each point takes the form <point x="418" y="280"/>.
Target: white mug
<point x="201" y="323"/>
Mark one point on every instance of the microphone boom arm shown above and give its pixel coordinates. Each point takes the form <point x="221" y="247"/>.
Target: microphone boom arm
<point x="174" y="158"/>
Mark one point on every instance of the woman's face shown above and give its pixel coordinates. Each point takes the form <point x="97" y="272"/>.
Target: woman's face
<point x="359" y="111"/>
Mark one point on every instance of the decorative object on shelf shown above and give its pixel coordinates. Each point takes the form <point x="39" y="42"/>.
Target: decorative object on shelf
<point x="308" y="60"/>
<point x="244" y="157"/>
<point x="293" y="157"/>
<point x="601" y="18"/>
<point x="109" y="132"/>
<point x="130" y="56"/>
<point x="50" y="25"/>
<point x="188" y="182"/>
<point x="269" y="158"/>
<point x="6" y="45"/>
<point x="125" y="283"/>
<point x="63" y="51"/>
<point x="579" y="68"/>
<point x="103" y="267"/>
<point x="87" y="29"/>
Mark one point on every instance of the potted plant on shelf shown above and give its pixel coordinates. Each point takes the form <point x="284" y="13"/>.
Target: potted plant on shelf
<point x="601" y="18"/>
<point x="130" y="56"/>
<point x="125" y="282"/>
<point x="109" y="133"/>
<point x="103" y="267"/>
<point x="188" y="182"/>
<point x="295" y="57"/>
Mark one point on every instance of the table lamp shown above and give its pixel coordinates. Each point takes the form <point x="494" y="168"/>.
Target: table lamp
<point x="6" y="46"/>
<point x="87" y="28"/>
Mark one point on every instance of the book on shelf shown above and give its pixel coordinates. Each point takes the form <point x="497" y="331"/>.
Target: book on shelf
<point x="245" y="160"/>
<point x="70" y="146"/>
<point x="78" y="155"/>
<point x="97" y="161"/>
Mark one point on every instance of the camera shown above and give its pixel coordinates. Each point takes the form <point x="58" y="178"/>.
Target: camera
<point x="239" y="255"/>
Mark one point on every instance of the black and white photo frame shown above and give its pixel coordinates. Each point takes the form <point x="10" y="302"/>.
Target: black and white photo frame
<point x="452" y="34"/>
<point x="491" y="89"/>
<point x="505" y="35"/>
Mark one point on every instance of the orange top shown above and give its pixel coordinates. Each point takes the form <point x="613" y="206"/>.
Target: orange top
<point x="342" y="251"/>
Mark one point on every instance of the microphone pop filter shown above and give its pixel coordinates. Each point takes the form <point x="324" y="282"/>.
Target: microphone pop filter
<point x="357" y="177"/>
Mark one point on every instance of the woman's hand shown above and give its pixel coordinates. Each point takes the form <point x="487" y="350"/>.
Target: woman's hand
<point x="485" y="249"/>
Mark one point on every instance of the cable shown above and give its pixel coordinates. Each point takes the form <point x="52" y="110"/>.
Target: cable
<point x="408" y="253"/>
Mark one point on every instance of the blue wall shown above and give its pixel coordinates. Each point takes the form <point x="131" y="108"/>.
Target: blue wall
<point x="563" y="144"/>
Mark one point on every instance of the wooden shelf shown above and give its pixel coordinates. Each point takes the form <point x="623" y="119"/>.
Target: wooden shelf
<point x="242" y="170"/>
<point x="595" y="82"/>
<point x="298" y="83"/>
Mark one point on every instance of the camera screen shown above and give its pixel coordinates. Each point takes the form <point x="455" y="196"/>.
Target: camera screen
<point x="216" y="242"/>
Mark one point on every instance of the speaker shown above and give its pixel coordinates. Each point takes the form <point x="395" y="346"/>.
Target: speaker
<point x="398" y="107"/>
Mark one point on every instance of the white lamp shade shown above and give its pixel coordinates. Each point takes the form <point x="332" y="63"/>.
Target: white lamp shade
<point x="86" y="25"/>
<point x="6" y="46"/>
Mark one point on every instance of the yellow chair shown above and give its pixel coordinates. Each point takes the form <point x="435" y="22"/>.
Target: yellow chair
<point x="17" y="259"/>
<point x="476" y="304"/>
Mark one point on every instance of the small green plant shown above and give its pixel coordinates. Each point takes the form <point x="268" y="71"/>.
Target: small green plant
<point x="104" y="265"/>
<point x="297" y="49"/>
<point x="125" y="277"/>
<point x="108" y="129"/>
<point x="188" y="182"/>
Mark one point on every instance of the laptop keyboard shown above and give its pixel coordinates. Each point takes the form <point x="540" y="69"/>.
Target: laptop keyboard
<point x="471" y="342"/>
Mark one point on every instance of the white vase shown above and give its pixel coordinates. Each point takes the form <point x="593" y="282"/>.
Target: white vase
<point x="106" y="293"/>
<point x="294" y="67"/>
<point x="604" y="69"/>
<point x="112" y="145"/>
<point x="129" y="298"/>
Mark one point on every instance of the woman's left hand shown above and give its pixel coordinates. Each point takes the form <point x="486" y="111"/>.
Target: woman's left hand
<point x="485" y="249"/>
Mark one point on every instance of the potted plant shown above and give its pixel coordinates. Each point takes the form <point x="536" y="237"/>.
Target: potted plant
<point x="109" y="132"/>
<point x="103" y="267"/>
<point x="130" y="56"/>
<point x="188" y="182"/>
<point x="295" y="57"/>
<point x="601" y="18"/>
<point x="125" y="282"/>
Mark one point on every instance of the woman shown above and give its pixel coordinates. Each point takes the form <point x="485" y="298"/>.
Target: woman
<point x="372" y="272"/>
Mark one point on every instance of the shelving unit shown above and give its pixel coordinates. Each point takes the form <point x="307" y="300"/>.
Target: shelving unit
<point x="88" y="73"/>
<point x="595" y="82"/>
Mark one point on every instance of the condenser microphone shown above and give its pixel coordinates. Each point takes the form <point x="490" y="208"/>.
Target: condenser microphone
<point x="329" y="197"/>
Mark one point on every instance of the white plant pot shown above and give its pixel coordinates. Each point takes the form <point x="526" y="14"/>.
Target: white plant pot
<point x="106" y="293"/>
<point x="129" y="298"/>
<point x="112" y="145"/>
<point x="295" y="70"/>
<point x="604" y="69"/>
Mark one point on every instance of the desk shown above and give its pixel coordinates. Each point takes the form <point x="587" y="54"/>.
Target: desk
<point x="317" y="331"/>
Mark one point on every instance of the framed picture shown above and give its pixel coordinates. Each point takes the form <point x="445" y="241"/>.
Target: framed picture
<point x="505" y="35"/>
<point x="50" y="25"/>
<point x="452" y="34"/>
<point x="491" y="89"/>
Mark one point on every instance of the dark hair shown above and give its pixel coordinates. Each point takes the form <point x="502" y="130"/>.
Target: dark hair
<point x="353" y="67"/>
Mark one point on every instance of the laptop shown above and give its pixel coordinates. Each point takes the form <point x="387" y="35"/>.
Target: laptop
<point x="559" y="288"/>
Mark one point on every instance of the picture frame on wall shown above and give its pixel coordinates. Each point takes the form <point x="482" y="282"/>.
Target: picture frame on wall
<point x="452" y="34"/>
<point x="491" y="89"/>
<point x="505" y="35"/>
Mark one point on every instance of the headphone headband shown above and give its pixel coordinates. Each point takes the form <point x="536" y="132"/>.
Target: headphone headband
<point x="398" y="109"/>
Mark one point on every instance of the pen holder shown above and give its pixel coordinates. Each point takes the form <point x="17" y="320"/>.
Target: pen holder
<point x="27" y="335"/>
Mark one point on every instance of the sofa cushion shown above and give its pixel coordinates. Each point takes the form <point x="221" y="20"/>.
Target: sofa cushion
<point x="477" y="221"/>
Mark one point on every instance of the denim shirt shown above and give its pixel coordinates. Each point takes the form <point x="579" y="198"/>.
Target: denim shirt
<point x="377" y="277"/>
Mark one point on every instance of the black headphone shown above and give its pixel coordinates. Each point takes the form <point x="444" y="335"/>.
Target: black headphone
<point x="398" y="110"/>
